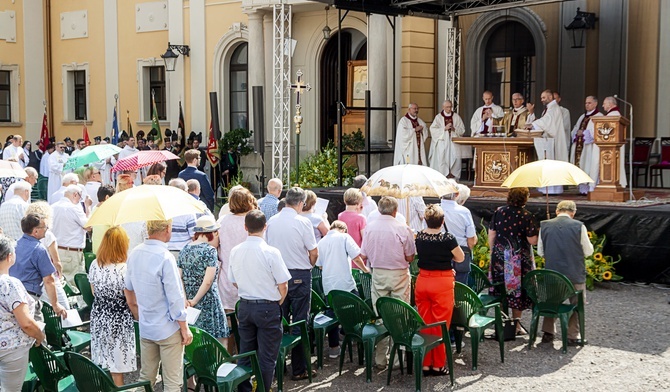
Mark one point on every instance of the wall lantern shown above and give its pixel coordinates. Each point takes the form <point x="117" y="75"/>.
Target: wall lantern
<point x="170" y="57"/>
<point x="326" y="30"/>
<point x="583" y="21"/>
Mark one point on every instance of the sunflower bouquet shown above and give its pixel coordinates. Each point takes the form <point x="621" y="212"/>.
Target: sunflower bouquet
<point x="481" y="254"/>
<point x="599" y="266"/>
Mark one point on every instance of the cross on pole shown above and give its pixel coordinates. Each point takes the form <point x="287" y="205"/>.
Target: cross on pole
<point x="299" y="87"/>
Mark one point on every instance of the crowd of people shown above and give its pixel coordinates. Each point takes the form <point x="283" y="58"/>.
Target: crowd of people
<point x="255" y="259"/>
<point x="559" y="141"/>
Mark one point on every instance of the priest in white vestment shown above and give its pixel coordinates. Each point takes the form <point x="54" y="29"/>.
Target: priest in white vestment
<point x="581" y="149"/>
<point x="57" y="160"/>
<point x="566" y="118"/>
<point x="484" y="118"/>
<point x="410" y="139"/>
<point x="517" y="117"/>
<point x="15" y="152"/>
<point x="553" y="144"/>
<point x="444" y="154"/>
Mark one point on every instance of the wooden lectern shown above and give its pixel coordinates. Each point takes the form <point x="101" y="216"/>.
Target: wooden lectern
<point x="609" y="134"/>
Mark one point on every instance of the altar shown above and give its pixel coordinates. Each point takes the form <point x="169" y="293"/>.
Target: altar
<point x="496" y="158"/>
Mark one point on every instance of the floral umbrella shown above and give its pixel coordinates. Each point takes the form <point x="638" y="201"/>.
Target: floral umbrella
<point x="401" y="181"/>
<point x="143" y="158"/>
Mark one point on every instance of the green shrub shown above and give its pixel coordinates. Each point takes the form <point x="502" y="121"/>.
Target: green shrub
<point x="320" y="170"/>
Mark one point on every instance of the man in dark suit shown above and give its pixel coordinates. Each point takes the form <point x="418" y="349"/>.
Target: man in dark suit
<point x="192" y="158"/>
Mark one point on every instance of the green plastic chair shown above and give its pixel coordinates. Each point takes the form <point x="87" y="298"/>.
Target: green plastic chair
<point x="206" y="355"/>
<point x="358" y="322"/>
<point x="288" y="342"/>
<point x="549" y="290"/>
<point x="88" y="246"/>
<point x="234" y="326"/>
<point x="365" y="288"/>
<point x="317" y="307"/>
<point x="64" y="339"/>
<point x="404" y="324"/>
<point x="414" y="274"/>
<point x="90" y="377"/>
<point x="317" y="282"/>
<point x="42" y="187"/>
<point x="50" y="368"/>
<point x="470" y="314"/>
<point x="88" y="260"/>
<point x="30" y="381"/>
<point x="479" y="282"/>
<point x="84" y="287"/>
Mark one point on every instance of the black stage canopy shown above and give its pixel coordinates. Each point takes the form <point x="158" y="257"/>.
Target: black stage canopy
<point x="436" y="9"/>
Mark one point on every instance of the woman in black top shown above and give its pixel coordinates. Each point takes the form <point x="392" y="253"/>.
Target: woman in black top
<point x="434" y="291"/>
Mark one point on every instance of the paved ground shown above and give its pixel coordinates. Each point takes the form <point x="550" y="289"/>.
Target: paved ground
<point x="628" y="329"/>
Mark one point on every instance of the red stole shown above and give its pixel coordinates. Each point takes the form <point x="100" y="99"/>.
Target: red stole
<point x="447" y="119"/>
<point x="415" y="124"/>
<point x="614" y="109"/>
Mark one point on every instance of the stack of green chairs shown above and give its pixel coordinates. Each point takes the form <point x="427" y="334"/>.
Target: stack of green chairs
<point x="317" y="283"/>
<point x="288" y="342"/>
<point x="470" y="314"/>
<point x="320" y="330"/>
<point x="88" y="260"/>
<point x="49" y="367"/>
<point x="479" y="282"/>
<point x="358" y="322"/>
<point x="405" y="325"/>
<point x="64" y="339"/>
<point x="365" y="288"/>
<point x="90" y="377"/>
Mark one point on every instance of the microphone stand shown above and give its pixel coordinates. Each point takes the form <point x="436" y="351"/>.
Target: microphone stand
<point x="630" y="148"/>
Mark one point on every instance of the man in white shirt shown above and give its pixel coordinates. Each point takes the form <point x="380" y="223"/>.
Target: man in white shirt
<point x="444" y="154"/>
<point x="68" y="179"/>
<point x="69" y="220"/>
<point x="261" y="277"/>
<point x="14" y="209"/>
<point x="458" y="221"/>
<point x="483" y="119"/>
<point x="15" y="152"/>
<point x="410" y="139"/>
<point x="293" y="235"/>
<point x="57" y="160"/>
<point x="31" y="179"/>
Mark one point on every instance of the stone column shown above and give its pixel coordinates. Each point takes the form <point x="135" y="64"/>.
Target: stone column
<point x="256" y="58"/>
<point x="378" y="79"/>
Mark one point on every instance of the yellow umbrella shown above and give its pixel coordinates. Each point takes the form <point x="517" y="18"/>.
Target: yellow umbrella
<point x="544" y="173"/>
<point x="401" y="181"/>
<point x="143" y="203"/>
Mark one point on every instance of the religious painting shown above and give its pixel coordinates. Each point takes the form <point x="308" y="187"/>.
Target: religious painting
<point x="357" y="82"/>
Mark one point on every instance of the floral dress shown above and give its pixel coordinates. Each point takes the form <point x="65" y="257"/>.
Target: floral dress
<point x="193" y="261"/>
<point x="112" y="329"/>
<point x="512" y="255"/>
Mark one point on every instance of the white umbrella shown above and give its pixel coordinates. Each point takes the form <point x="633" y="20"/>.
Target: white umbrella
<point x="401" y="181"/>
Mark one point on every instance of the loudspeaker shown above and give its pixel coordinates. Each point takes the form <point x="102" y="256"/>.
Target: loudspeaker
<point x="259" y="119"/>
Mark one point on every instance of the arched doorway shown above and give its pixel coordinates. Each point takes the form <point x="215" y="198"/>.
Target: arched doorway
<point x="354" y="47"/>
<point x="509" y="65"/>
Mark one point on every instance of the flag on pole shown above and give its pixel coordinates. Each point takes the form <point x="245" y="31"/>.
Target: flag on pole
<point x="85" y="135"/>
<point x="115" y="128"/>
<point x="213" y="147"/>
<point x="129" y="126"/>
<point x="44" y="134"/>
<point x="154" y="121"/>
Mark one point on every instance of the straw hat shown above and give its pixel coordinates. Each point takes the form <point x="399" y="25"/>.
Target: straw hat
<point x="206" y="224"/>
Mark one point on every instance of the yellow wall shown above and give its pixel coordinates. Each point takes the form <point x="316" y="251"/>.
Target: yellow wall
<point x="642" y="81"/>
<point x="12" y="53"/>
<point x="418" y="63"/>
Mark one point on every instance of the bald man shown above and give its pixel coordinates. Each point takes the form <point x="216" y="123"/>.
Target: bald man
<point x="269" y="203"/>
<point x="517" y="117"/>
<point x="485" y="116"/>
<point x="581" y="149"/>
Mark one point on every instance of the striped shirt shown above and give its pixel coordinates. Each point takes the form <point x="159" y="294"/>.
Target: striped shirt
<point x="182" y="231"/>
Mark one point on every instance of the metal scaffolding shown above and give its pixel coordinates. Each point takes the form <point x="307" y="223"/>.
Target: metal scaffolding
<point x="452" y="80"/>
<point x="281" y="69"/>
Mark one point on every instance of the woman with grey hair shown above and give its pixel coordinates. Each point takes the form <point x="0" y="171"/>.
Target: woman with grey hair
<point x="19" y="329"/>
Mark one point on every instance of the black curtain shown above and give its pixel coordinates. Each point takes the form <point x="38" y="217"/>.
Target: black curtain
<point x="328" y="95"/>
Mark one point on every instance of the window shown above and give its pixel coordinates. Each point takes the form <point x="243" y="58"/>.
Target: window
<point x="509" y="65"/>
<point x="5" y="97"/>
<point x="157" y="86"/>
<point x="79" y="78"/>
<point x="238" y="106"/>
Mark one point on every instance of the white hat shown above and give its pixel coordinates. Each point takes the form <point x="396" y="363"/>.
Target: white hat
<point x="206" y="224"/>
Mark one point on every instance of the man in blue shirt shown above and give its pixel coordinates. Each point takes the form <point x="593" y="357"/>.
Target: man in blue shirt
<point x="458" y="221"/>
<point x="33" y="266"/>
<point x="192" y="158"/>
<point x="155" y="295"/>
<point x="269" y="203"/>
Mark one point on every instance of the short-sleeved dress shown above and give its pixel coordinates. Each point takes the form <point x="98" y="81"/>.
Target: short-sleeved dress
<point x="193" y="261"/>
<point x="112" y="329"/>
<point x="512" y="255"/>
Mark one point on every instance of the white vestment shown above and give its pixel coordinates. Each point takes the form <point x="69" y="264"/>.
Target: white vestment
<point x="444" y="155"/>
<point x="126" y="152"/>
<point x="406" y="149"/>
<point x="587" y="161"/>
<point x="552" y="125"/>
<point x="17" y="154"/>
<point x="57" y="160"/>
<point x="476" y="124"/>
<point x="566" y="126"/>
